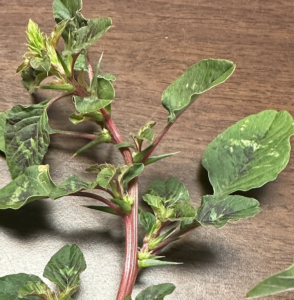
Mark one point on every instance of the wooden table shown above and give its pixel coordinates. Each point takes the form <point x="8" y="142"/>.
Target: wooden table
<point x="151" y="44"/>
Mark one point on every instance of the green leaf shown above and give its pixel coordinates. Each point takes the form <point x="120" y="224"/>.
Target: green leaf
<point x="103" y="137"/>
<point x="169" y="200"/>
<point x="134" y="171"/>
<point x="96" y="117"/>
<point x="140" y="155"/>
<point x="154" y="159"/>
<point x="156" y="292"/>
<point x="128" y="298"/>
<point x="105" y="175"/>
<point x="42" y="63"/>
<point x="90" y="104"/>
<point x="103" y="208"/>
<point x="35" y="38"/>
<point x="147" y="220"/>
<point x="38" y="289"/>
<point x="34" y="184"/>
<point x="32" y="78"/>
<point x="280" y="282"/>
<point x="10" y="285"/>
<point x="81" y="63"/>
<point x="3" y="117"/>
<point x="70" y="185"/>
<point x="58" y="87"/>
<point x="250" y="153"/>
<point x="26" y="137"/>
<point x="189" y="224"/>
<point x="88" y="35"/>
<point x="65" y="267"/>
<point x="108" y="77"/>
<point x="146" y="132"/>
<point x="117" y="146"/>
<point x="193" y="82"/>
<point x="217" y="211"/>
<point x="145" y="263"/>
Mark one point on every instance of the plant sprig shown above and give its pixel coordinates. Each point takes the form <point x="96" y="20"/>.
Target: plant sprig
<point x="247" y="155"/>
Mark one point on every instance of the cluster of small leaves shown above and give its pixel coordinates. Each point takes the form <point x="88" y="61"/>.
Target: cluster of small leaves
<point x="63" y="269"/>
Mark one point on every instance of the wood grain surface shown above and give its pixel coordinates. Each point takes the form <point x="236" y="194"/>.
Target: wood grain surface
<point x="152" y="43"/>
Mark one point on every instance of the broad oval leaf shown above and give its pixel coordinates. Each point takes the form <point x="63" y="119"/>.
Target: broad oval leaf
<point x="26" y="137"/>
<point x="107" y="172"/>
<point x="38" y="289"/>
<point x="147" y="220"/>
<point x="65" y="267"/>
<point x="193" y="82"/>
<point x="169" y="200"/>
<point x="250" y="153"/>
<point x="218" y="210"/>
<point x="11" y="284"/>
<point x="156" y="292"/>
<point x="90" y="104"/>
<point x="278" y="283"/>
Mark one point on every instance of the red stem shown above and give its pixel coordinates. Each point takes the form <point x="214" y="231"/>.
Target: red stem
<point x="75" y="134"/>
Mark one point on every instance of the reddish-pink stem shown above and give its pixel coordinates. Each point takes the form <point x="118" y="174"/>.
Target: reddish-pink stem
<point x="105" y="190"/>
<point x="157" y="141"/>
<point x="75" y="134"/>
<point x="101" y="199"/>
<point x="52" y="101"/>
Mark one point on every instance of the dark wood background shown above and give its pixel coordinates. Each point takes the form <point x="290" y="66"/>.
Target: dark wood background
<point x="151" y="44"/>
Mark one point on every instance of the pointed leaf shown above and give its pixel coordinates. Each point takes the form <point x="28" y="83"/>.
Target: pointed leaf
<point x="156" y="292"/>
<point x="278" y="283"/>
<point x="34" y="184"/>
<point x="108" y="77"/>
<point x="147" y="220"/>
<point x="35" y="38"/>
<point x="145" y="263"/>
<point x="26" y="137"/>
<point x="250" y="153"/>
<point x="103" y="137"/>
<point x="154" y="159"/>
<point x="134" y="171"/>
<point x="217" y="211"/>
<point x="146" y="132"/>
<point x="10" y="285"/>
<point x="140" y="155"/>
<point x="117" y="146"/>
<point x="106" y="209"/>
<point x="169" y="200"/>
<point x="193" y="82"/>
<point x="65" y="267"/>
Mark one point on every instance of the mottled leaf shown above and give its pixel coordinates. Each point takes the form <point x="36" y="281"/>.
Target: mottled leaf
<point x="42" y="63"/>
<point x="218" y="210"/>
<point x="193" y="82"/>
<point x="169" y="200"/>
<point x="278" y="283"/>
<point x="65" y="267"/>
<point x="108" y="77"/>
<point x="35" y="38"/>
<point x="189" y="224"/>
<point x="10" y="285"/>
<point x="156" y="292"/>
<point x="146" y="132"/>
<point x="3" y="117"/>
<point x="34" y="184"/>
<point x="32" y="78"/>
<point x="26" y="137"/>
<point x="38" y="289"/>
<point x="105" y="175"/>
<point x="250" y="153"/>
<point x="90" y="104"/>
<point x="147" y="220"/>
<point x="87" y="35"/>
<point x="70" y="185"/>
<point x="81" y="63"/>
